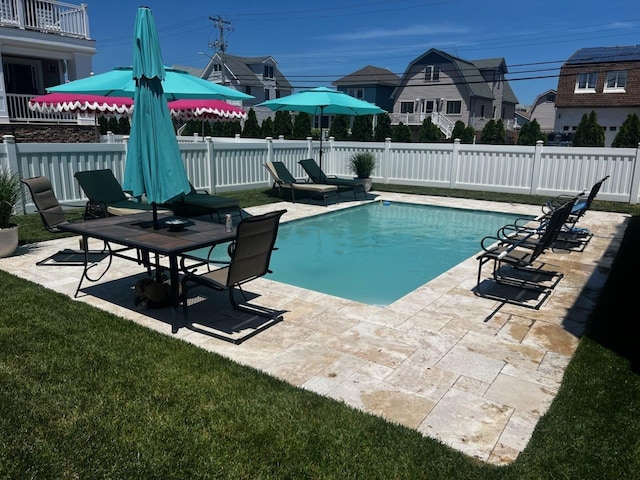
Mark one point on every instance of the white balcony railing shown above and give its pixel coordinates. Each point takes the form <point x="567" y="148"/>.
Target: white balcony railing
<point x="46" y="16"/>
<point x="19" y="111"/>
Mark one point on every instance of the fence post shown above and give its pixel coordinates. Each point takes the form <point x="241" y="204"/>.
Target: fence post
<point x="535" y="168"/>
<point x="270" y="155"/>
<point x="213" y="177"/>
<point x="455" y="158"/>
<point x="14" y="166"/>
<point x="635" y="178"/>
<point x="309" y="147"/>
<point x="386" y="160"/>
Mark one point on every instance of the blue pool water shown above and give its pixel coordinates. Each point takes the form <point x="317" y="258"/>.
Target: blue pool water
<point x="377" y="253"/>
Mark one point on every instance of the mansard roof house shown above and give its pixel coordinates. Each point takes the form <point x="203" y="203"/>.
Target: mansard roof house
<point x="371" y="84"/>
<point x="605" y="80"/>
<point x="448" y="89"/>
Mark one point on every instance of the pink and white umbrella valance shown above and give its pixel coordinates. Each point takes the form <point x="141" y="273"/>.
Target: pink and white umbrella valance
<point x="200" y="109"/>
<point x="83" y="103"/>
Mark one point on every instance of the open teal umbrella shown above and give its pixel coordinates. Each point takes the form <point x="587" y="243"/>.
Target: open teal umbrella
<point x="154" y="164"/>
<point x="321" y="101"/>
<point x="176" y="84"/>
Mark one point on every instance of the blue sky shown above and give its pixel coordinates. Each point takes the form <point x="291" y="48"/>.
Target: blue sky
<point x="315" y="43"/>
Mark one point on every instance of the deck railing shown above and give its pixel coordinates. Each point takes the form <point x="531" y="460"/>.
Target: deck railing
<point x="46" y="16"/>
<point x="226" y="164"/>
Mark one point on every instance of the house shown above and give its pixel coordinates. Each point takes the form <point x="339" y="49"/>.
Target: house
<point x="257" y="76"/>
<point x="371" y="84"/>
<point x="44" y="43"/>
<point x="605" y="80"/>
<point x="543" y="110"/>
<point x="448" y="89"/>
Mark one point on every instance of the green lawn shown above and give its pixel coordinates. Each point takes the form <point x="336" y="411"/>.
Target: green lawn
<point x="86" y="394"/>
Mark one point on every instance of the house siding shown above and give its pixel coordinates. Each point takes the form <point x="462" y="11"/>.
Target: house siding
<point x="611" y="108"/>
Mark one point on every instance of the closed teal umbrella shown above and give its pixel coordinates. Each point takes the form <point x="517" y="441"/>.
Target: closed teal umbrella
<point x="154" y="164"/>
<point x="322" y="101"/>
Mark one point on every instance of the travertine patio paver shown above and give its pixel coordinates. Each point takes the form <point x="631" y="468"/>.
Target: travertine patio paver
<point x="436" y="360"/>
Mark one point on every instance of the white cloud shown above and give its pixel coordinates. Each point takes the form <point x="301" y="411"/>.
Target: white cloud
<point x="415" y="30"/>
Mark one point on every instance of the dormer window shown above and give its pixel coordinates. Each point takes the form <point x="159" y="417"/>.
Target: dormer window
<point x="217" y="67"/>
<point x="268" y="71"/>
<point x="616" y="81"/>
<point x="432" y="73"/>
<point x="586" y="83"/>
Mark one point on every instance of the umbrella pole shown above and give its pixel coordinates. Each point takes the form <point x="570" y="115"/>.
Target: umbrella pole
<point x="154" y="207"/>
<point x="321" y="135"/>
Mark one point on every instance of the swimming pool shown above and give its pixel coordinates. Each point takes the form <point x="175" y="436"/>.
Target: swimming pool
<point x="378" y="252"/>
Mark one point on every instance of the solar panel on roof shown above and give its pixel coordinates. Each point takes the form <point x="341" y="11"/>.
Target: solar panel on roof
<point x="629" y="53"/>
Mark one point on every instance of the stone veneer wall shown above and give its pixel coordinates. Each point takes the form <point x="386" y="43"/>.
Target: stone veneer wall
<point x="30" y="133"/>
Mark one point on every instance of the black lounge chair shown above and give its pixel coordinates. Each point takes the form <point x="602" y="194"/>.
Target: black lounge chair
<point x="200" y="202"/>
<point x="284" y="180"/>
<point x="516" y="263"/>
<point x="53" y="216"/>
<point x="106" y="197"/>
<point x="318" y="176"/>
<point x="250" y="257"/>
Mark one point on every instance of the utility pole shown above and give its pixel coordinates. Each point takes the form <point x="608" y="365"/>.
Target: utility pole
<point x="220" y="45"/>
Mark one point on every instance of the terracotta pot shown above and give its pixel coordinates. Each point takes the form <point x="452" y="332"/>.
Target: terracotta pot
<point x="8" y="240"/>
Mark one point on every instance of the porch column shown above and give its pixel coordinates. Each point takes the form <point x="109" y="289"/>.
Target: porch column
<point x="4" y="107"/>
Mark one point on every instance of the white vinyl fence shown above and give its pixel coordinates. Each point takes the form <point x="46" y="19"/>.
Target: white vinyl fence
<point x="226" y="164"/>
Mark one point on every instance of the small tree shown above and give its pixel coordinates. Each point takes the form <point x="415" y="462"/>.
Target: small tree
<point x="383" y="128"/>
<point x="589" y="133"/>
<point x="629" y="134"/>
<point x="530" y="133"/>
<point x="282" y="124"/>
<point x="429" y="132"/>
<point x="251" y="128"/>
<point x="501" y="134"/>
<point x="266" y="130"/>
<point x="301" y="126"/>
<point x="401" y="133"/>
<point x="469" y="135"/>
<point x="458" y="130"/>
<point x="489" y="133"/>
<point x="362" y="129"/>
<point x="339" y="128"/>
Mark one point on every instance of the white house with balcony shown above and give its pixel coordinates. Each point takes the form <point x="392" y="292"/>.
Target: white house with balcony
<point x="42" y="43"/>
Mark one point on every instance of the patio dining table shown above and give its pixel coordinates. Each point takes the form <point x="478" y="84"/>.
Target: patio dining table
<point x="136" y="232"/>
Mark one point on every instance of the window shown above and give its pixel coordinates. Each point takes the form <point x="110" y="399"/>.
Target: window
<point x="432" y="73"/>
<point x="481" y="111"/>
<point x="551" y="97"/>
<point x="356" y="92"/>
<point x="267" y="94"/>
<point x="612" y="129"/>
<point x="454" y="107"/>
<point x="217" y="67"/>
<point x="406" y="107"/>
<point x="616" y="81"/>
<point x="586" y="82"/>
<point x="268" y="71"/>
<point x="428" y="107"/>
<point x="247" y="89"/>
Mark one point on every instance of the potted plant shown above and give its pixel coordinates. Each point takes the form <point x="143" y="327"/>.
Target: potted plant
<point x="363" y="164"/>
<point x="9" y="194"/>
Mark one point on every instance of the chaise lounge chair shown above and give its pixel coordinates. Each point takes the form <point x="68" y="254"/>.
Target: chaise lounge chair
<point x="516" y="263"/>
<point x="197" y="203"/>
<point x="284" y="180"/>
<point x="106" y="196"/>
<point x="319" y="177"/>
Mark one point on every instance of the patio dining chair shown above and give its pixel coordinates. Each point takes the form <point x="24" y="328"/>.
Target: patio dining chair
<point x="250" y="257"/>
<point x="53" y="216"/>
